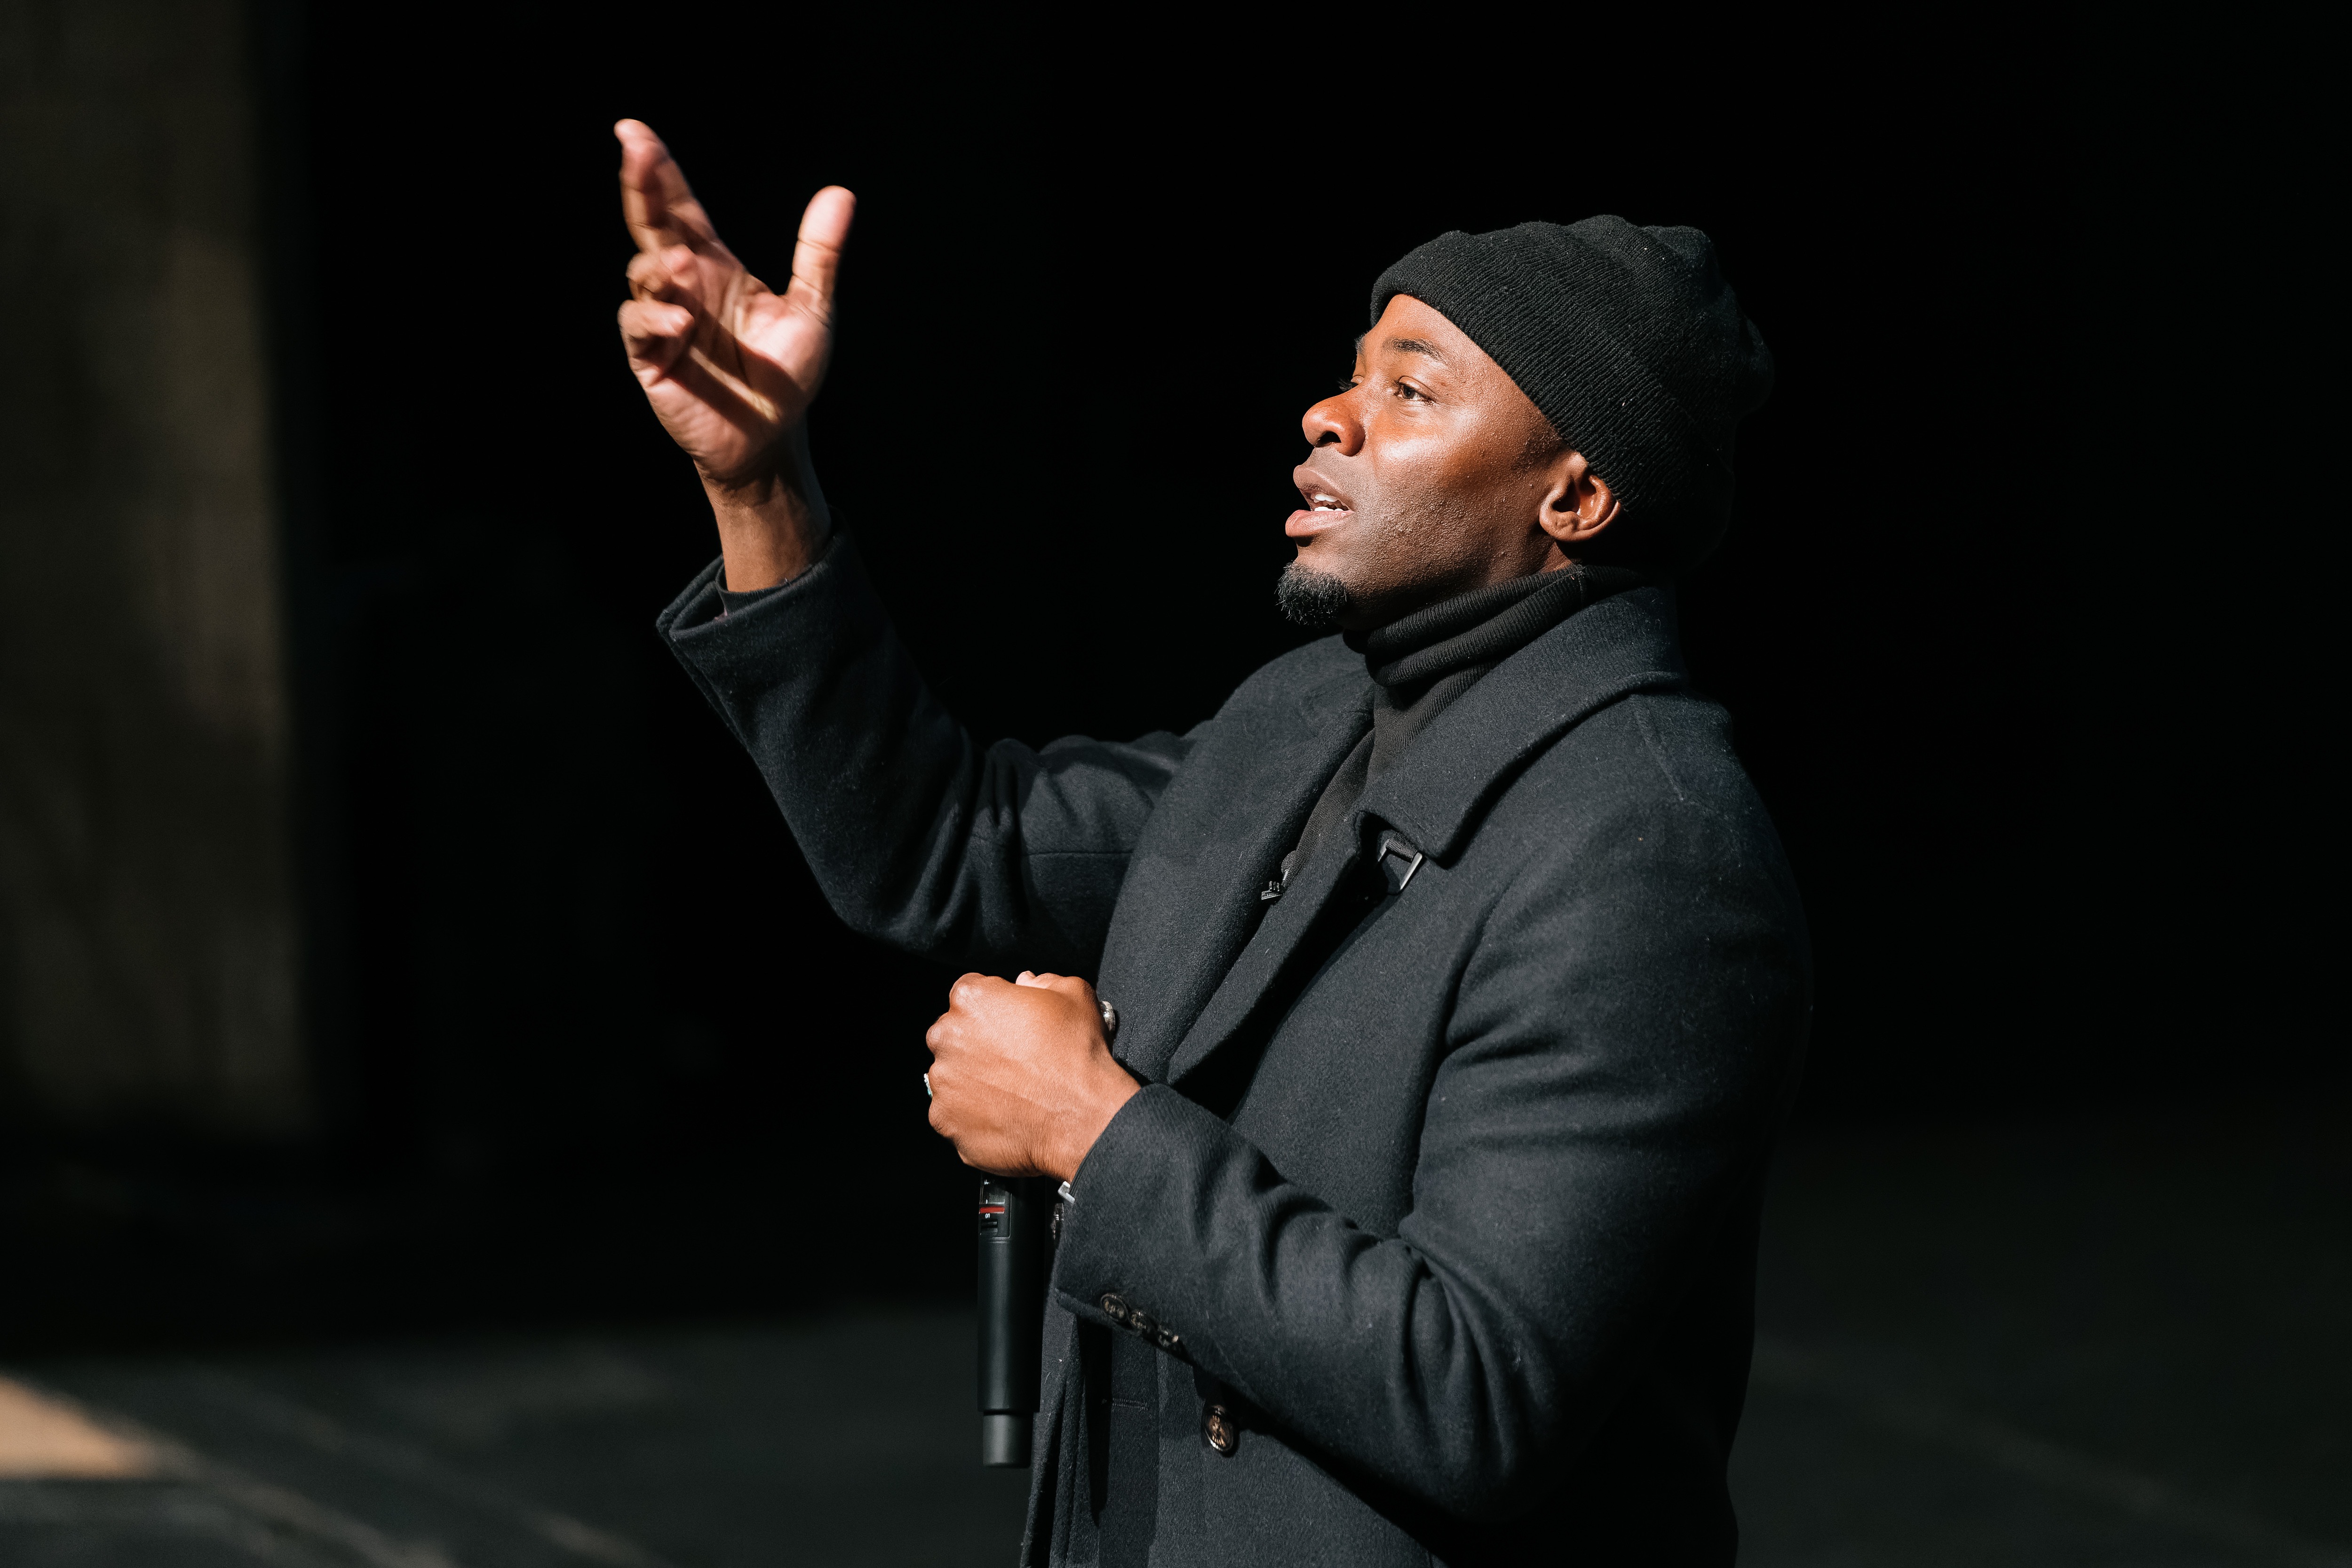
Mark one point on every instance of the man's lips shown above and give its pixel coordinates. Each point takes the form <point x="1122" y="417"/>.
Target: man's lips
<point x="1324" y="508"/>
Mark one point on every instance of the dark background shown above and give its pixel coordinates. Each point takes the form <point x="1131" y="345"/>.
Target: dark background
<point x="2016" y="616"/>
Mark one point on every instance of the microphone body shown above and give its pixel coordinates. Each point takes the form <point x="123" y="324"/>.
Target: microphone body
<point x="1014" y="1213"/>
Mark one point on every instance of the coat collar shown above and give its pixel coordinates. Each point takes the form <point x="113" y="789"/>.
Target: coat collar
<point x="1625" y="644"/>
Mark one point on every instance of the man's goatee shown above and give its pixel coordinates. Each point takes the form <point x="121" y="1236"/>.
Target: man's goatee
<point x="1316" y="600"/>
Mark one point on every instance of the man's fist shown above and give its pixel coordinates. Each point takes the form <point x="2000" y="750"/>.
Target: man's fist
<point x="1023" y="1081"/>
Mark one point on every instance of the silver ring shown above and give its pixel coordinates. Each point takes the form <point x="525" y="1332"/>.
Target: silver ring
<point x="927" y="1086"/>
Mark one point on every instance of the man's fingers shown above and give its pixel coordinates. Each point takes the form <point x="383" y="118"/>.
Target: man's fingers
<point x="1067" y="984"/>
<point x="655" y="320"/>
<point x="670" y="273"/>
<point x="649" y="274"/>
<point x="816" y="259"/>
<point x="656" y="201"/>
<point x="646" y="176"/>
<point x="655" y="334"/>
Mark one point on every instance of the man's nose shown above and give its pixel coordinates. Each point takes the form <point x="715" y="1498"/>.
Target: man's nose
<point x="1333" y="423"/>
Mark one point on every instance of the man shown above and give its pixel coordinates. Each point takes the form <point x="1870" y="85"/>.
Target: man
<point x="1460" y="982"/>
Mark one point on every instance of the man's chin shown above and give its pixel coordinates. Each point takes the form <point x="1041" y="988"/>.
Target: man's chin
<point x="1316" y="600"/>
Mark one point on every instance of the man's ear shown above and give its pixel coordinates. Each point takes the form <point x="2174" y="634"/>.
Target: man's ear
<point x="1577" y="505"/>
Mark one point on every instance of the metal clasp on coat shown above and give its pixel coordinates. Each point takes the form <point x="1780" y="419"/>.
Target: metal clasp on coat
<point x="1394" y="849"/>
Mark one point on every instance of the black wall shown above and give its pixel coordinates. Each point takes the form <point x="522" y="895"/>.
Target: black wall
<point x="1980" y="641"/>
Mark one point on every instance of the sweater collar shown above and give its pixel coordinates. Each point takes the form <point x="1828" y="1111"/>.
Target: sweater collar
<point x="1482" y="627"/>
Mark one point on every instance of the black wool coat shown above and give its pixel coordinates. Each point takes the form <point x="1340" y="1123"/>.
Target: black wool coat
<point x="1444" y="1181"/>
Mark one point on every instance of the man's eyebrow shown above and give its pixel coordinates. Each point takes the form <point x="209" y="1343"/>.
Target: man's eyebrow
<point x="1416" y="346"/>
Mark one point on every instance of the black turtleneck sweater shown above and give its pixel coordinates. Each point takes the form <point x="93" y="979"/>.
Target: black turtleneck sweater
<point x="1421" y="663"/>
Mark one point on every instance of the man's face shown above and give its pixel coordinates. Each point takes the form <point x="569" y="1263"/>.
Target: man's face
<point x="1429" y="476"/>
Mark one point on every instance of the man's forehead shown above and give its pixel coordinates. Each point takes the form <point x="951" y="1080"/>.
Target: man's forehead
<point x="1399" y="343"/>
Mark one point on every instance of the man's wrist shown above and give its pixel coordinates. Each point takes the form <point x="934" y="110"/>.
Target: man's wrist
<point x="1104" y="1107"/>
<point x="772" y="524"/>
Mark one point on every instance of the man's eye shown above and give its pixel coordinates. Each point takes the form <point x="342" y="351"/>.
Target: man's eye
<point x="1402" y="390"/>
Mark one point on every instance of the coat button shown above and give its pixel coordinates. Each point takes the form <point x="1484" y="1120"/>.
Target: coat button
<point x="1217" y="1426"/>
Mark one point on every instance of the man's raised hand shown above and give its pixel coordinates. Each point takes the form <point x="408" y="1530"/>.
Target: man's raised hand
<point x="729" y="365"/>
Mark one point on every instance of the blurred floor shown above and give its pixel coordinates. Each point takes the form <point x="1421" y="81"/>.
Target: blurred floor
<point x="2120" y="1342"/>
<point x="849" y="1441"/>
<point x="2116" y="1339"/>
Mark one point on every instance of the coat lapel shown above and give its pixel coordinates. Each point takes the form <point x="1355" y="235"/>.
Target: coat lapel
<point x="1625" y="644"/>
<point x="1209" y="850"/>
<point x="1252" y="979"/>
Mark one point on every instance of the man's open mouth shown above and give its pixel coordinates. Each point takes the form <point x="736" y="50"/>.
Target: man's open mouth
<point x="1318" y="508"/>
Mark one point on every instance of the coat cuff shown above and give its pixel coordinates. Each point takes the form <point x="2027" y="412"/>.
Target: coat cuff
<point x="719" y="636"/>
<point x="1128" y="1258"/>
<point x="707" y="600"/>
<point x="700" y="602"/>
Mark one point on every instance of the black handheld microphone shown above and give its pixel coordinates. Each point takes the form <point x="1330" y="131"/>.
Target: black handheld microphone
<point x="1014" y="1215"/>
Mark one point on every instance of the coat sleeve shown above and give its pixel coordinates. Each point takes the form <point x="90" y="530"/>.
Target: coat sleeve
<point x="1625" y="1036"/>
<point x="991" y="857"/>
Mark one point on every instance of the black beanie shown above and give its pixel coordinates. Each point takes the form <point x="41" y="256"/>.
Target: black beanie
<point x="1629" y="340"/>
